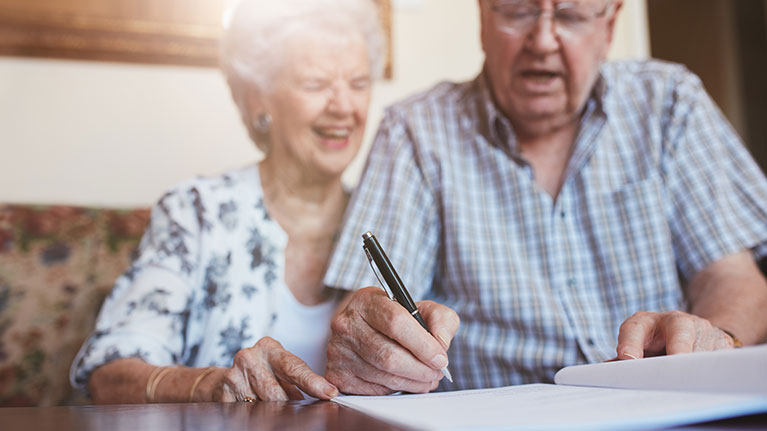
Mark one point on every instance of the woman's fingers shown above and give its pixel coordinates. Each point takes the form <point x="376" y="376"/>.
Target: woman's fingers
<point x="293" y="392"/>
<point x="271" y="373"/>
<point x="227" y="394"/>
<point x="265" y="384"/>
<point x="290" y="369"/>
<point x="251" y="376"/>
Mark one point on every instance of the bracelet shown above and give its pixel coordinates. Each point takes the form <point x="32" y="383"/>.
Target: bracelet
<point x="198" y="380"/>
<point x="735" y="340"/>
<point x="150" y="381"/>
<point x="154" y="382"/>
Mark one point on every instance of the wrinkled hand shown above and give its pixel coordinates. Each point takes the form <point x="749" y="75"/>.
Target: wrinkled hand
<point x="651" y="334"/>
<point x="376" y="347"/>
<point x="268" y="372"/>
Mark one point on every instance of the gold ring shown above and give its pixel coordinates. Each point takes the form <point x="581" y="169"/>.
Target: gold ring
<point x="249" y="400"/>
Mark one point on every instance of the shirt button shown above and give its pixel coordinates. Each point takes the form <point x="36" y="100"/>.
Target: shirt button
<point x="571" y="282"/>
<point x="590" y="341"/>
<point x="562" y="214"/>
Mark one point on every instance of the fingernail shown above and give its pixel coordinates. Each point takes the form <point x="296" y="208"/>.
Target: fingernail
<point x="442" y="336"/>
<point x="331" y="391"/>
<point x="439" y="361"/>
<point x="629" y="355"/>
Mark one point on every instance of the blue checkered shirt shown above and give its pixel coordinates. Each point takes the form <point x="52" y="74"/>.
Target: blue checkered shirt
<point x="658" y="187"/>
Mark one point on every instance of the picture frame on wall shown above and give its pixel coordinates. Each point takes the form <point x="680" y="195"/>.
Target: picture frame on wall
<point x="176" y="32"/>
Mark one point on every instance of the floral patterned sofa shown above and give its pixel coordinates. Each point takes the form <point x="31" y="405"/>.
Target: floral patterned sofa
<point x="56" y="265"/>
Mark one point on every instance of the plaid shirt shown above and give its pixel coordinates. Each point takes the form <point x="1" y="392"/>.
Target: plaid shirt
<point x="658" y="187"/>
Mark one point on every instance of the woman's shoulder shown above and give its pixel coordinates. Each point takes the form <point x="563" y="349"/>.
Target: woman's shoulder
<point x="241" y="183"/>
<point x="208" y="198"/>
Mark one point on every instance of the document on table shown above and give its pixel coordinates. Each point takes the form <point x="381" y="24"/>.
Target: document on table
<point x="569" y="407"/>
<point x="553" y="407"/>
<point x="741" y="371"/>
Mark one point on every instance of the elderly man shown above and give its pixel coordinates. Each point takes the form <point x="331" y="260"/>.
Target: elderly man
<point x="567" y="209"/>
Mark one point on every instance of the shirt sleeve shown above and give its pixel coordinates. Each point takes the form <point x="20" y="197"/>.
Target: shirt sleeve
<point x="146" y="313"/>
<point x="717" y="193"/>
<point x="395" y="201"/>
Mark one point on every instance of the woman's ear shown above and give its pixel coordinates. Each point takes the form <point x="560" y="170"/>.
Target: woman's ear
<point x="254" y="101"/>
<point x="244" y="99"/>
<point x="255" y="115"/>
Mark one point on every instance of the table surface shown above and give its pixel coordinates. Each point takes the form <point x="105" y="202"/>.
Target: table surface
<point x="292" y="415"/>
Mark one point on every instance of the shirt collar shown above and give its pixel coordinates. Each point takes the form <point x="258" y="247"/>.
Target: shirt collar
<point x="494" y="123"/>
<point x="497" y="126"/>
<point x="599" y="93"/>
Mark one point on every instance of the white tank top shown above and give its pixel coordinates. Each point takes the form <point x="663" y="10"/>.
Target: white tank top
<point x="304" y="329"/>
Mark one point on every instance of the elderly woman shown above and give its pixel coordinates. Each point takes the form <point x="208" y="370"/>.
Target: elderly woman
<point x="225" y="299"/>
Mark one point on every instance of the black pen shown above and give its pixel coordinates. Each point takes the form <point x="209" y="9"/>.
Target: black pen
<point x="396" y="288"/>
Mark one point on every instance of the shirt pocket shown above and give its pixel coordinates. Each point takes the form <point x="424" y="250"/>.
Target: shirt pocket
<point x="634" y="248"/>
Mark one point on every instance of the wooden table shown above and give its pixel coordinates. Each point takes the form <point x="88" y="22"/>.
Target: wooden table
<point x="292" y="415"/>
<point x="282" y="416"/>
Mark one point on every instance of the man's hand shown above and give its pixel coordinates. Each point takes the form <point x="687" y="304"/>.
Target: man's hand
<point x="376" y="347"/>
<point x="651" y="334"/>
<point x="730" y="292"/>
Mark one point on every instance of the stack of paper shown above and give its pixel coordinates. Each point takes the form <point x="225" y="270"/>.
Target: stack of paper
<point x="639" y="394"/>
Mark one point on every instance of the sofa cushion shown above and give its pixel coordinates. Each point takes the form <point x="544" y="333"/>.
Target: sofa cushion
<point x="56" y="265"/>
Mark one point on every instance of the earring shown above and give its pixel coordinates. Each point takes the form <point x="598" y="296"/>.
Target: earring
<point x="262" y="123"/>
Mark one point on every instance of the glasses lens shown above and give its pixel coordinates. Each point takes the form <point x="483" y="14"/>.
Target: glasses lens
<point x="574" y="17"/>
<point x="517" y="15"/>
<point x="521" y="16"/>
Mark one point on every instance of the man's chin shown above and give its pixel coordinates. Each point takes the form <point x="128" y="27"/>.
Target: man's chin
<point x="542" y="122"/>
<point x="544" y="108"/>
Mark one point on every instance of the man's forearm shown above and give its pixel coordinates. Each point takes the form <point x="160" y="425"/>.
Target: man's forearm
<point x="732" y="294"/>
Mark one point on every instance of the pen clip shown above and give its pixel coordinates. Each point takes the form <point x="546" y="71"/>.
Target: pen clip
<point x="372" y="266"/>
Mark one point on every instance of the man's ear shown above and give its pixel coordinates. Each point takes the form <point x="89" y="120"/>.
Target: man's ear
<point x="612" y="19"/>
<point x="483" y="24"/>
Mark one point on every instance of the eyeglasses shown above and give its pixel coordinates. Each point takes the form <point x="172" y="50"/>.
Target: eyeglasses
<point x="570" y="18"/>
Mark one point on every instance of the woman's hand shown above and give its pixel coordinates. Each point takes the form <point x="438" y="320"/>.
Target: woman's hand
<point x="268" y="372"/>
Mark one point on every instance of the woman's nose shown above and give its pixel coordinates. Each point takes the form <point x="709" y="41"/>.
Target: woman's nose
<point x="340" y="102"/>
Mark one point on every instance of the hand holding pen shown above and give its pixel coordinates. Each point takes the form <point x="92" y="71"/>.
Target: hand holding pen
<point x="392" y="284"/>
<point x="376" y="347"/>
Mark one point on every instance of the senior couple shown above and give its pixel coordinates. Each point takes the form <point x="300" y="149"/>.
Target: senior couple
<point x="567" y="209"/>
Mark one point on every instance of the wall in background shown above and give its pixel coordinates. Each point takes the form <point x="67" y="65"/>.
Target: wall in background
<point x="725" y="43"/>
<point x="119" y="134"/>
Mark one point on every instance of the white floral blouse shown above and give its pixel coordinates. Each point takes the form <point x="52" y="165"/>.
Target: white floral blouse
<point x="203" y="284"/>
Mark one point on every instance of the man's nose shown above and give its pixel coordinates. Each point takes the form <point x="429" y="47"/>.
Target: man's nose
<point x="543" y="37"/>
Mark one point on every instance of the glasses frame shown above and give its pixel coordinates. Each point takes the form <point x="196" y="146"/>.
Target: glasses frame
<point x="538" y="13"/>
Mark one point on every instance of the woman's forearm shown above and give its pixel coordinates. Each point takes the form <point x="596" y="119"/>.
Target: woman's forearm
<point x="126" y="381"/>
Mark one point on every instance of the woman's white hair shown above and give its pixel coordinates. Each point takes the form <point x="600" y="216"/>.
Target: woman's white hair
<point x="255" y="31"/>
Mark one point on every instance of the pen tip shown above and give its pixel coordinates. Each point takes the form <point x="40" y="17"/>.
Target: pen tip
<point x="446" y="373"/>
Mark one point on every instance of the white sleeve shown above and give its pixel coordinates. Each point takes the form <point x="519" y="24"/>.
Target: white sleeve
<point x="146" y="314"/>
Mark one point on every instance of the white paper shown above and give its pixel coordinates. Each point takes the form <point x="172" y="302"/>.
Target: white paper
<point x="742" y="371"/>
<point x="553" y="407"/>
